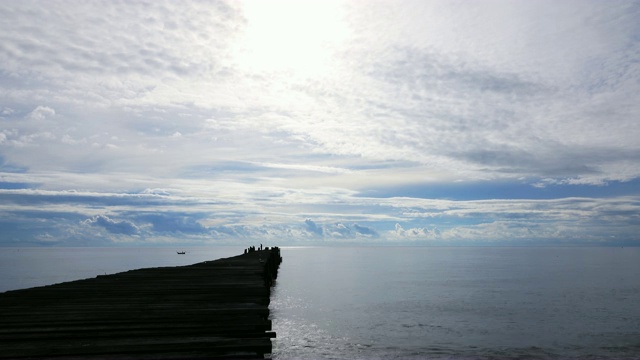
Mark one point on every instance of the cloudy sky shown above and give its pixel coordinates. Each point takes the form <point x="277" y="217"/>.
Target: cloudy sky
<point x="319" y="122"/>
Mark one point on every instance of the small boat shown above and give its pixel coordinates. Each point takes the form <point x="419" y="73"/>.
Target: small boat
<point x="181" y="252"/>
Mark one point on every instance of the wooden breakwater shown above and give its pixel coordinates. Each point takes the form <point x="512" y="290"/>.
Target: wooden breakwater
<point x="208" y="310"/>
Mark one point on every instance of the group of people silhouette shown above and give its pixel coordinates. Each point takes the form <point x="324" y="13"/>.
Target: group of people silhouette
<point x="253" y="248"/>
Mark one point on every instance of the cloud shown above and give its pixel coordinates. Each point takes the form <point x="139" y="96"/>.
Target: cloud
<point x="416" y="233"/>
<point x="213" y="120"/>
<point x="174" y="223"/>
<point x="303" y="167"/>
<point x="340" y="231"/>
<point x="6" y="111"/>
<point x="113" y="226"/>
<point x="135" y="38"/>
<point x="73" y="218"/>
<point x="313" y="227"/>
<point x="459" y="108"/>
<point x="418" y="70"/>
<point x="41" y="112"/>
<point x="365" y="231"/>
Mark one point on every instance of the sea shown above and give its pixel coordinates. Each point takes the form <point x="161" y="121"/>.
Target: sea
<point x="411" y="302"/>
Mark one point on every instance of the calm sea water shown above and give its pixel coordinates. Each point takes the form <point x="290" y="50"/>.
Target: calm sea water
<point x="411" y="302"/>
<point x="446" y="303"/>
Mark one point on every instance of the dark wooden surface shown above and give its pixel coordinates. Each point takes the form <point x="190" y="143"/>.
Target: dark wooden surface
<point x="208" y="310"/>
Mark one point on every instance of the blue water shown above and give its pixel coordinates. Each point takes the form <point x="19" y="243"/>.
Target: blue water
<point x="476" y="303"/>
<point x="410" y="302"/>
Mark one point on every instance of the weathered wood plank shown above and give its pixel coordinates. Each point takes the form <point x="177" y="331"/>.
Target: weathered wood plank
<point x="211" y="309"/>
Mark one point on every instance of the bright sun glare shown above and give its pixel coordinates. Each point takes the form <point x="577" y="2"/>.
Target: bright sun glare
<point x="297" y="37"/>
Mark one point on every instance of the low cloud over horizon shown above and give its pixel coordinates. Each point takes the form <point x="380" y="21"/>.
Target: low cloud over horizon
<point x="411" y="122"/>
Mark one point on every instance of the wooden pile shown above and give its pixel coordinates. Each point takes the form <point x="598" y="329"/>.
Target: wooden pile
<point x="207" y="310"/>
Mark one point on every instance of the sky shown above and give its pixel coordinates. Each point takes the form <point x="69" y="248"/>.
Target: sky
<point x="177" y="123"/>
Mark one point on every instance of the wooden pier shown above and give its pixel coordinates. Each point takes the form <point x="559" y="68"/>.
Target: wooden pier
<point x="214" y="309"/>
